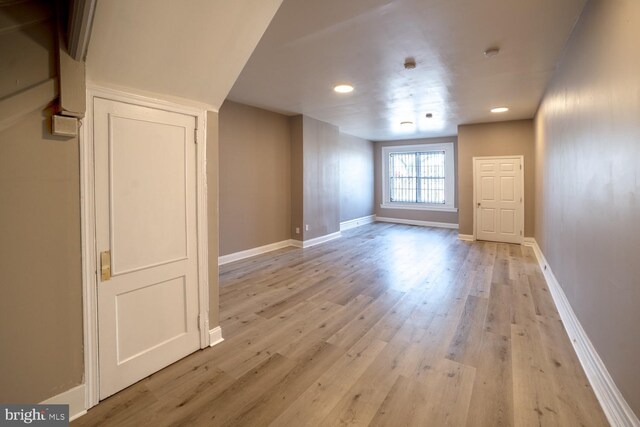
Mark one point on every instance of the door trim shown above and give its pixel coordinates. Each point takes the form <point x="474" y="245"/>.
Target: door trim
<point x="475" y="211"/>
<point x="88" y="226"/>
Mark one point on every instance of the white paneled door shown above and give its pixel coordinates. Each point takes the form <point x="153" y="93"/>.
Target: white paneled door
<point x="146" y="239"/>
<point x="499" y="199"/>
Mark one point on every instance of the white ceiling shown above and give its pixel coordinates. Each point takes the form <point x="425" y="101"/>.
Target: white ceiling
<point x="312" y="45"/>
<point x="193" y="50"/>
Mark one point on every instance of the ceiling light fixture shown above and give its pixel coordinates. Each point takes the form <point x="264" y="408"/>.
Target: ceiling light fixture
<point x="406" y="124"/>
<point x="491" y="52"/>
<point x="499" y="110"/>
<point x="344" y="88"/>
<point x="428" y="115"/>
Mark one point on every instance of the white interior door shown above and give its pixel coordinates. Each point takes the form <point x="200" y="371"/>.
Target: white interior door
<point x="146" y="238"/>
<point x="499" y="199"/>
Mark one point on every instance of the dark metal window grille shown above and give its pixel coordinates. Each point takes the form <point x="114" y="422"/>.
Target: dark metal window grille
<point x="417" y="177"/>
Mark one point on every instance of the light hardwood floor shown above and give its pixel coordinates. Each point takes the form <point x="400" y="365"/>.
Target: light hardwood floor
<point x="390" y="325"/>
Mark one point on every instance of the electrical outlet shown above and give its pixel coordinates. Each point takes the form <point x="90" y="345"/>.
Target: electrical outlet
<point x="297" y="230"/>
<point x="306" y="227"/>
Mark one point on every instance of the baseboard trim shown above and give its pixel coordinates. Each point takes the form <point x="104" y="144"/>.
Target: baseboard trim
<point x="613" y="403"/>
<point x="416" y="222"/>
<point x="237" y="256"/>
<point x="466" y="237"/>
<point x="357" y="222"/>
<point x="74" y="397"/>
<point x="215" y="336"/>
<point x="316" y="241"/>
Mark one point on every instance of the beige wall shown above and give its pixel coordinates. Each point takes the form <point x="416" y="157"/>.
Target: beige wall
<point x="41" y="302"/>
<point x="495" y="139"/>
<point x="255" y="177"/>
<point x="29" y="53"/>
<point x="414" y="215"/>
<point x="40" y="251"/>
<point x="356" y="177"/>
<point x="588" y="183"/>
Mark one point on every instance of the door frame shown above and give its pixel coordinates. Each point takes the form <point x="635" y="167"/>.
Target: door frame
<point x="88" y="225"/>
<point x="475" y="211"/>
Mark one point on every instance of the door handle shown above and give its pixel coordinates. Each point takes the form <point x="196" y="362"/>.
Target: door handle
<point x="105" y="265"/>
<point x="478" y="204"/>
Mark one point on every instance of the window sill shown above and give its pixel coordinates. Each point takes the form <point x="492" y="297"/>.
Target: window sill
<point x="434" y="208"/>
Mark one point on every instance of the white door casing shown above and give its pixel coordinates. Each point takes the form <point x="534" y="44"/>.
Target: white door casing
<point x="499" y="199"/>
<point x="145" y="211"/>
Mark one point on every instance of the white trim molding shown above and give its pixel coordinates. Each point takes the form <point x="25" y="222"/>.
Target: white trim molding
<point x="466" y="237"/>
<point x="613" y="403"/>
<point x="416" y="222"/>
<point x="357" y="222"/>
<point x="316" y="241"/>
<point x="237" y="256"/>
<point x="418" y="207"/>
<point x="74" y="397"/>
<point x="215" y="336"/>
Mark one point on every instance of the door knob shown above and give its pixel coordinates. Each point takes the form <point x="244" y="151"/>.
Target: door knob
<point x="478" y="204"/>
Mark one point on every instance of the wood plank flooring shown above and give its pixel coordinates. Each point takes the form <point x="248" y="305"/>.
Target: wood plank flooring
<point x="390" y="325"/>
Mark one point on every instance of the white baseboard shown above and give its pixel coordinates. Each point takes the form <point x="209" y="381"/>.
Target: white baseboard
<point x="74" y="397"/>
<point x="416" y="222"/>
<point x="613" y="403"/>
<point x="237" y="256"/>
<point x="357" y="222"/>
<point x="215" y="336"/>
<point x="316" y="241"/>
<point x="466" y="237"/>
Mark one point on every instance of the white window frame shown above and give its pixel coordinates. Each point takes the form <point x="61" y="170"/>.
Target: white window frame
<point x="449" y="181"/>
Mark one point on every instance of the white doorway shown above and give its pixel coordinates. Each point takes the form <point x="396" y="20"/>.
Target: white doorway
<point x="144" y="230"/>
<point x="498" y="198"/>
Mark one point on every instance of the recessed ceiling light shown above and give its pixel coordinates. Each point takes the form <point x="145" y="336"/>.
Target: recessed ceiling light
<point x="406" y="124"/>
<point x="499" y="110"/>
<point x="343" y="88"/>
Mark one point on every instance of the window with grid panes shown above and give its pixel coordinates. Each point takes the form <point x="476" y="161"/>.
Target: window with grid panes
<point x="419" y="177"/>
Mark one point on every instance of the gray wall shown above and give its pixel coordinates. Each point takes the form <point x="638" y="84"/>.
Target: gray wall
<point x="41" y="292"/>
<point x="415" y="215"/>
<point x="255" y="177"/>
<point x="297" y="178"/>
<point x="356" y="177"/>
<point x="321" y="178"/>
<point x="588" y="183"/>
<point x="495" y="139"/>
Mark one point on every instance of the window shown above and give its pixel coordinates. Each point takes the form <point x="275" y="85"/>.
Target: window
<point x="418" y="177"/>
